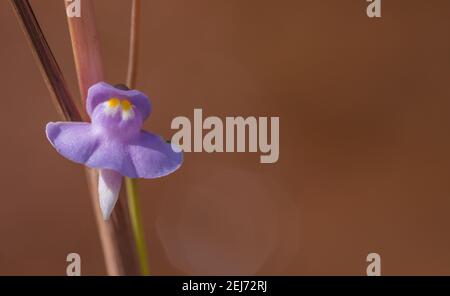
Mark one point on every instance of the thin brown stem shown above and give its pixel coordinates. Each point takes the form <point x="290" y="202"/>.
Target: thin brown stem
<point x="116" y="234"/>
<point x="134" y="43"/>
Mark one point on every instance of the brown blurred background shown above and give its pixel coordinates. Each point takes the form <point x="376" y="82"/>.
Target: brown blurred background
<point x="364" y="152"/>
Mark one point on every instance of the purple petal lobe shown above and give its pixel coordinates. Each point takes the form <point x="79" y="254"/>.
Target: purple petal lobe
<point x="101" y="92"/>
<point x="152" y="157"/>
<point x="73" y="140"/>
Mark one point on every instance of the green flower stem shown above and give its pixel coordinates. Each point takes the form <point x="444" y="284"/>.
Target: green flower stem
<point x="136" y="224"/>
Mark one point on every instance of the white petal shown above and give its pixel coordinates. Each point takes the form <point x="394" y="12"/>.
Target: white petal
<point x="127" y="114"/>
<point x="109" y="183"/>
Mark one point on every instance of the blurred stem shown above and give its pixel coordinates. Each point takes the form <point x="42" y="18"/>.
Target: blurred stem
<point x="136" y="224"/>
<point x="131" y="184"/>
<point x="116" y="234"/>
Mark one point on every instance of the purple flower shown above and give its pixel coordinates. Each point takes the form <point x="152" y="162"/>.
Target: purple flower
<point x="114" y="142"/>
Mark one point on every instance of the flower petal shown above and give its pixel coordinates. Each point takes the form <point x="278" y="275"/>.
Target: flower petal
<point x="73" y="140"/>
<point x="152" y="157"/>
<point x="145" y="156"/>
<point x="109" y="183"/>
<point x="101" y="92"/>
<point x="142" y="156"/>
<point x="112" y="154"/>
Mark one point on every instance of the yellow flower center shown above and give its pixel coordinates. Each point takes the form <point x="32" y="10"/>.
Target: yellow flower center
<point x="126" y="105"/>
<point x="112" y="107"/>
<point x="113" y="102"/>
